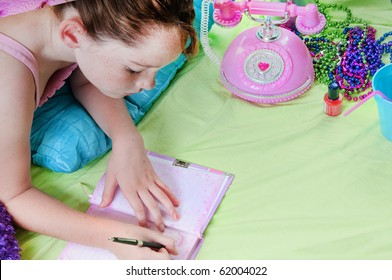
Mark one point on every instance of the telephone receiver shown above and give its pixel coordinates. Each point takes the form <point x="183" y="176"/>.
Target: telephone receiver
<point x="265" y="63"/>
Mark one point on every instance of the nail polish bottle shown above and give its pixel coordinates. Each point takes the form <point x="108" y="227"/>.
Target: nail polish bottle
<point x="333" y="100"/>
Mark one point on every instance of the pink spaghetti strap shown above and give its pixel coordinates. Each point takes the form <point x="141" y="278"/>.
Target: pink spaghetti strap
<point x="21" y="53"/>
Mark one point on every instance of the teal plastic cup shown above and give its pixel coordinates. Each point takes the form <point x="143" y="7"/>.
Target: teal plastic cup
<point x="382" y="81"/>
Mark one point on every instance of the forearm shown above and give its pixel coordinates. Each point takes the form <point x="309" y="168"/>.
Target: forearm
<point x="109" y="113"/>
<point x="35" y="211"/>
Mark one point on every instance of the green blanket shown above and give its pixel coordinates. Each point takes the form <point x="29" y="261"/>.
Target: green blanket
<point x="307" y="186"/>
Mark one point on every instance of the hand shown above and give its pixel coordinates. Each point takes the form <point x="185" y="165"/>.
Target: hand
<point x="130" y="168"/>
<point x="124" y="251"/>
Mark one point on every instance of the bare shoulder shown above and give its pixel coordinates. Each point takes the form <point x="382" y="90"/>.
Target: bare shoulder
<point x="16" y="82"/>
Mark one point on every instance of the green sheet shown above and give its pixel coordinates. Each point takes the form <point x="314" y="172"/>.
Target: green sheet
<point x="307" y="186"/>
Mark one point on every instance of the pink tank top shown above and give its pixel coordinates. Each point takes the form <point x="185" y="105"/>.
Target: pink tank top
<point x="21" y="53"/>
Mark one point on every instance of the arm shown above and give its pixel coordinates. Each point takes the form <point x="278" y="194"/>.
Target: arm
<point x="129" y="166"/>
<point x="31" y="208"/>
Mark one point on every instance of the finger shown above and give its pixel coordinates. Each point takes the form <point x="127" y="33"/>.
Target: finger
<point x="169" y="244"/>
<point x="174" y="200"/>
<point x="166" y="202"/>
<point x="108" y="190"/>
<point x="138" y="208"/>
<point x="152" y="206"/>
<point x="162" y="254"/>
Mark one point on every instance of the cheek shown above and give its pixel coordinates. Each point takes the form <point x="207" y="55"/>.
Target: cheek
<point x="94" y="63"/>
<point x="106" y="74"/>
<point x="119" y="78"/>
<point x="115" y="84"/>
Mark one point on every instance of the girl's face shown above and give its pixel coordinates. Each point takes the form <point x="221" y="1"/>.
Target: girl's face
<point x="119" y="70"/>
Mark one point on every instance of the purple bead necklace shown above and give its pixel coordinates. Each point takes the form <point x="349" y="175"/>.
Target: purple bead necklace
<point x="359" y="62"/>
<point x="348" y="55"/>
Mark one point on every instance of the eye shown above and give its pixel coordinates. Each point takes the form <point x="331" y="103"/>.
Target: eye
<point x="133" y="72"/>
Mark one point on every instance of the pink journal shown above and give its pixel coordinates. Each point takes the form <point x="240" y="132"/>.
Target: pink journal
<point x="200" y="190"/>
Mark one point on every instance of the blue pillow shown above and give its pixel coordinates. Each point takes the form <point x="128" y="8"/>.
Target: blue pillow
<point x="64" y="137"/>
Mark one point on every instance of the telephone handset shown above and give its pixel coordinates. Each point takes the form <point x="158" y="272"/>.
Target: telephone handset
<point x="265" y="63"/>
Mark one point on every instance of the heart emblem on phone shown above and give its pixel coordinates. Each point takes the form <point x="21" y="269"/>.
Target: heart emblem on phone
<point x="263" y="66"/>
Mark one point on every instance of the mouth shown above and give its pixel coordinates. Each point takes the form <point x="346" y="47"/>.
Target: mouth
<point x="133" y="92"/>
<point x="129" y="93"/>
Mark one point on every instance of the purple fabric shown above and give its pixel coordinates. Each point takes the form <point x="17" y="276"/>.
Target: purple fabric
<point x="9" y="246"/>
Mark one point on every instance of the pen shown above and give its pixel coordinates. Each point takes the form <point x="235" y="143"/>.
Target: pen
<point x="135" y="242"/>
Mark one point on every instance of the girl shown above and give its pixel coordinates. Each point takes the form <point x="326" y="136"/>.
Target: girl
<point x="113" y="48"/>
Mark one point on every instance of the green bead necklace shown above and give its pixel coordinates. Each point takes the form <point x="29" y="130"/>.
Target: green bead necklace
<point x="333" y="45"/>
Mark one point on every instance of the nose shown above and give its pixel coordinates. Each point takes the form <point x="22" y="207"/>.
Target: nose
<point x="147" y="81"/>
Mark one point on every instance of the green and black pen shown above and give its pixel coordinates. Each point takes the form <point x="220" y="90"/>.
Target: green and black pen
<point x="135" y="242"/>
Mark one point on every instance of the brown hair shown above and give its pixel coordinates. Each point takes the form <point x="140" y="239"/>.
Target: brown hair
<point x="131" y="20"/>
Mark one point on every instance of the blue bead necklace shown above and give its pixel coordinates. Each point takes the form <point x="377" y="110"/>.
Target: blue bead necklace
<point x="347" y="54"/>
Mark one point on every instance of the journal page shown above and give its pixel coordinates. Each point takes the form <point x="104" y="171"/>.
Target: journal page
<point x="198" y="188"/>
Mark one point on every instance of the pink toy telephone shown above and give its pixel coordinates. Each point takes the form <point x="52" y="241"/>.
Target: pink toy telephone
<point x="265" y="63"/>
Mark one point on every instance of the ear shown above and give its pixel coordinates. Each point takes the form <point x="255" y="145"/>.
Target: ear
<point x="71" y="31"/>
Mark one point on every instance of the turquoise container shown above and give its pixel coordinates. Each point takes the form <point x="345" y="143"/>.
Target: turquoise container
<point x="382" y="81"/>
